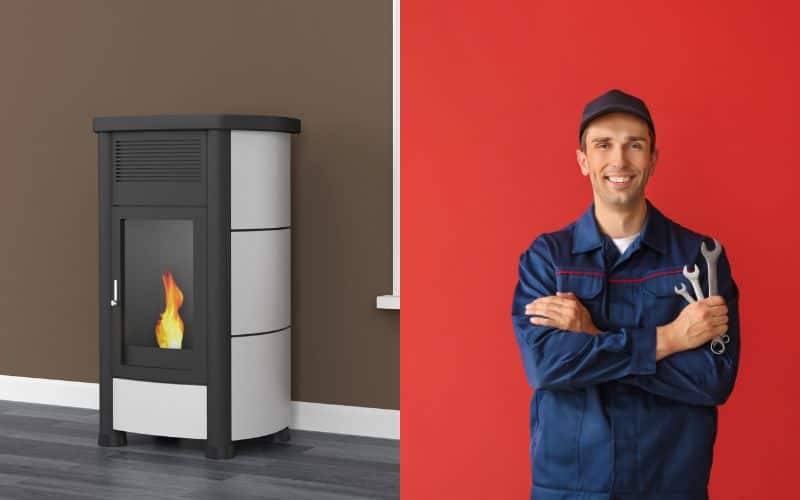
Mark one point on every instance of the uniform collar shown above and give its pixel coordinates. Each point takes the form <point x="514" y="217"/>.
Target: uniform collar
<point x="587" y="236"/>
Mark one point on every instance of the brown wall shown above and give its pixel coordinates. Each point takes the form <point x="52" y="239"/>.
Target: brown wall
<point x="326" y="62"/>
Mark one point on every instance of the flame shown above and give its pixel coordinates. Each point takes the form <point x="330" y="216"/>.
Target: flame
<point x="169" y="329"/>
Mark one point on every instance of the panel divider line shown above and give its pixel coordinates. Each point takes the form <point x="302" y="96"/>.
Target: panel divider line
<point x="260" y="229"/>
<point x="259" y="333"/>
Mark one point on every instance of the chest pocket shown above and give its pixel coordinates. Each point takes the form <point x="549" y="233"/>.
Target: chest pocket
<point x="658" y="302"/>
<point x="586" y="285"/>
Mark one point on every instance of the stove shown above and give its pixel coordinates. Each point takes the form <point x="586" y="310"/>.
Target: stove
<point x="195" y="282"/>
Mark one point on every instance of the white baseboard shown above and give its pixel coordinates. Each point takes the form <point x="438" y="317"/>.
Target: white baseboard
<point x="50" y="392"/>
<point x="318" y="417"/>
<point x="340" y="419"/>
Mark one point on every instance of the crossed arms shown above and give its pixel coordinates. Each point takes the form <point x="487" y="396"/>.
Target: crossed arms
<point x="568" y="352"/>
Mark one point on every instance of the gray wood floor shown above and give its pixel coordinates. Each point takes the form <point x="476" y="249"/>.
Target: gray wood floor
<point x="52" y="452"/>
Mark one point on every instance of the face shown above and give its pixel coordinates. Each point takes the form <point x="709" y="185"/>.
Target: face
<point x="618" y="160"/>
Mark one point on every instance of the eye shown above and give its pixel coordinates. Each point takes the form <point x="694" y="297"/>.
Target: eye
<point x="602" y="145"/>
<point x="637" y="145"/>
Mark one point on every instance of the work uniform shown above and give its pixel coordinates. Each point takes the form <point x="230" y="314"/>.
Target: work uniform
<point x="607" y="422"/>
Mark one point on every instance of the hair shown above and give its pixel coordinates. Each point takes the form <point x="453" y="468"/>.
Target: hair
<point x="649" y="130"/>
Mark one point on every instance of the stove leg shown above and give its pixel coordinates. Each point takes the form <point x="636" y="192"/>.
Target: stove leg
<point x="282" y="435"/>
<point x="219" y="451"/>
<point x="113" y="438"/>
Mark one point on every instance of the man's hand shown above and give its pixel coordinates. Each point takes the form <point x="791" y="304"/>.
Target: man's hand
<point x="697" y="324"/>
<point x="563" y="311"/>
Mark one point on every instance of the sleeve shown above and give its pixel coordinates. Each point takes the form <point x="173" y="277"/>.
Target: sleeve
<point x="563" y="360"/>
<point x="698" y="376"/>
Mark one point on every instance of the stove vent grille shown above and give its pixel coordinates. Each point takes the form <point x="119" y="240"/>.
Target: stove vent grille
<point x="176" y="159"/>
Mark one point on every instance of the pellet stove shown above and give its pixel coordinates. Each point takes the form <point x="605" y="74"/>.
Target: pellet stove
<point x="195" y="334"/>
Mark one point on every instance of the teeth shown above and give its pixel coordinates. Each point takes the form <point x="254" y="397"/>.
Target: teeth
<point x="619" y="179"/>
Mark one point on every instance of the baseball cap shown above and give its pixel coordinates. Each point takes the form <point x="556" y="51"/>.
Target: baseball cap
<point x="615" y="100"/>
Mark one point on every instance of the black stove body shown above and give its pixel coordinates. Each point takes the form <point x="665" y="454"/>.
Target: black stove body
<point x="194" y="277"/>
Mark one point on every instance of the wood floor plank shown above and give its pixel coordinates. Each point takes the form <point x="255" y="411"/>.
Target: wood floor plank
<point x="52" y="452"/>
<point x="245" y="486"/>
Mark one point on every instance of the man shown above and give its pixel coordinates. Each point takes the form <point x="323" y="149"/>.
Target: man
<point x="626" y="386"/>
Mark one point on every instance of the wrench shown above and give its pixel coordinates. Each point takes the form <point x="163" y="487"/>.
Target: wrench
<point x="718" y="343"/>
<point x="683" y="292"/>
<point x="711" y="257"/>
<point x="693" y="278"/>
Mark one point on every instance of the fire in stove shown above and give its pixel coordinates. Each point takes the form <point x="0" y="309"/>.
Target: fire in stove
<point x="169" y="329"/>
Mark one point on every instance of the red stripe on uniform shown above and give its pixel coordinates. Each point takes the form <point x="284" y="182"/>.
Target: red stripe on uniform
<point x="630" y="280"/>
<point x="639" y="280"/>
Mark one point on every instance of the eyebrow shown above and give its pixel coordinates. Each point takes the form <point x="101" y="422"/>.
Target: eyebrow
<point x="630" y="138"/>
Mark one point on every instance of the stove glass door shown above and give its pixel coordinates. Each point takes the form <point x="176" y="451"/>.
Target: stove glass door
<point x="158" y="261"/>
<point x="159" y="283"/>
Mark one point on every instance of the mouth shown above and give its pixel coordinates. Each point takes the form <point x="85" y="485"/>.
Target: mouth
<point x="619" y="181"/>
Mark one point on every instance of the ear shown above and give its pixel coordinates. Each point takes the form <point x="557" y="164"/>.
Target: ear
<point x="581" y="157"/>
<point x="653" y="161"/>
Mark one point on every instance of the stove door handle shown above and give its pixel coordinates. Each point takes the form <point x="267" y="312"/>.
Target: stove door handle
<point x="115" y="300"/>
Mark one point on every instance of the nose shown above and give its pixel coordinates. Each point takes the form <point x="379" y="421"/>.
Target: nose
<point x="618" y="157"/>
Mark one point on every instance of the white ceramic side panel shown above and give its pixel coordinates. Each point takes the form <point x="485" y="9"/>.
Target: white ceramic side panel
<point x="260" y="281"/>
<point x="260" y="384"/>
<point x="160" y="409"/>
<point x="260" y="179"/>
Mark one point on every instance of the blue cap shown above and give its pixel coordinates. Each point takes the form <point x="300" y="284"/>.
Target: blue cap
<point x="615" y="100"/>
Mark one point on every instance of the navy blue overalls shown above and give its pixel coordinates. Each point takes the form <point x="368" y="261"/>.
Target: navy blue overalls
<point x="608" y="422"/>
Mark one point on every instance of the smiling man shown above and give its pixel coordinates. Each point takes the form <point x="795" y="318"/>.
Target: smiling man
<point x="626" y="386"/>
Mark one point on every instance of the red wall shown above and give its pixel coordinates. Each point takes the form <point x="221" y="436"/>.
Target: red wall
<point x="491" y="97"/>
